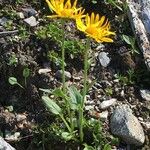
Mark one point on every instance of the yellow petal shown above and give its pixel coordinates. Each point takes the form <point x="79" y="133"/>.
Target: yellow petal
<point x="67" y="5"/>
<point x="74" y="4"/>
<point x="92" y="18"/>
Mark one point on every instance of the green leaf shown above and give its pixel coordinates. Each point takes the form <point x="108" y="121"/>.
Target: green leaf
<point x="107" y="147"/>
<point x="26" y="72"/>
<point x="129" y="40"/>
<point x="45" y="90"/>
<point x="59" y="93"/>
<point x="87" y="147"/>
<point x="51" y="105"/>
<point x="76" y="97"/>
<point x="12" y="80"/>
<point x="67" y="136"/>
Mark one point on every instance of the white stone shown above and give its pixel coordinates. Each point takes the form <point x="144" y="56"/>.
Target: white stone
<point x="4" y="145"/>
<point x="104" y="115"/>
<point x="107" y="103"/>
<point x="104" y="59"/>
<point x="44" y="71"/>
<point x="145" y="94"/>
<point x="31" y="21"/>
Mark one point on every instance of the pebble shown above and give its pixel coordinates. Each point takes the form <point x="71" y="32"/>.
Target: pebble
<point x="20" y="117"/>
<point x="104" y="115"/>
<point x="28" y="12"/>
<point x="100" y="47"/>
<point x="146" y="125"/>
<point x="44" y="71"/>
<point x="104" y="59"/>
<point x="31" y="21"/>
<point x="145" y="94"/>
<point x="21" y="15"/>
<point x="89" y="107"/>
<point x="3" y="21"/>
<point x="126" y="126"/>
<point x="107" y="103"/>
<point x="58" y="75"/>
<point x="12" y="137"/>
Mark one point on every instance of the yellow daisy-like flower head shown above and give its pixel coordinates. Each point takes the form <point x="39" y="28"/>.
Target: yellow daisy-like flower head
<point x="65" y="9"/>
<point x="95" y="27"/>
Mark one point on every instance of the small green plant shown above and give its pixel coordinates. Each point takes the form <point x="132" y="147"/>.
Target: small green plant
<point x="23" y="33"/>
<point x="73" y="47"/>
<point x="131" y="41"/>
<point x="13" y="60"/>
<point x="13" y="81"/>
<point x="122" y="79"/>
<point x="54" y="57"/>
<point x="68" y="102"/>
<point x="109" y="91"/>
<point x="9" y="25"/>
<point x="26" y="74"/>
<point x="128" y="79"/>
<point x="114" y="3"/>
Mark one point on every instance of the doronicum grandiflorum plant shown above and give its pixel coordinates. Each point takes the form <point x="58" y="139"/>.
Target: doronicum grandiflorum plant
<point x="64" y="9"/>
<point x="95" y="27"/>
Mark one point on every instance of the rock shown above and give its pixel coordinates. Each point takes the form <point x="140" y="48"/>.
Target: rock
<point x="21" y="15"/>
<point x="146" y="125"/>
<point x="4" y="145"/>
<point x="20" y="117"/>
<point x="104" y="115"/>
<point x="3" y="21"/>
<point x="89" y="107"/>
<point x="125" y="125"/>
<point x="12" y="137"/>
<point x="28" y="12"/>
<point x="139" y="17"/>
<point x="145" y="94"/>
<point x="31" y="21"/>
<point x="44" y="71"/>
<point x="107" y="103"/>
<point x="58" y="75"/>
<point x="100" y="47"/>
<point x="104" y="59"/>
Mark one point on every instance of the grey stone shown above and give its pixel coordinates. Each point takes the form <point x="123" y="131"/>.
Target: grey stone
<point x="107" y="103"/>
<point x="104" y="59"/>
<point x="3" y="21"/>
<point x="58" y="75"/>
<point x="139" y="16"/>
<point x="31" y="21"/>
<point x="126" y="126"/>
<point x="4" y="145"/>
<point x="28" y="12"/>
<point x="145" y="94"/>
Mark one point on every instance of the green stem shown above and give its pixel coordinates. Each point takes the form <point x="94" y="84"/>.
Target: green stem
<point x="20" y="85"/>
<point x="65" y="122"/>
<point x="63" y="75"/>
<point x="63" y="58"/>
<point x="84" y="90"/>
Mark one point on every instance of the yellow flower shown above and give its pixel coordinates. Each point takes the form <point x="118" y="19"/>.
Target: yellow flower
<point x="96" y="27"/>
<point x="65" y="9"/>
